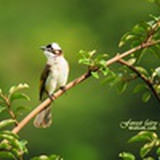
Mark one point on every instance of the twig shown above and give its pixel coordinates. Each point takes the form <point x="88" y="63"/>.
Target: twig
<point x="152" y="31"/>
<point x="78" y="80"/>
<point x="143" y="77"/>
<point x="9" y="110"/>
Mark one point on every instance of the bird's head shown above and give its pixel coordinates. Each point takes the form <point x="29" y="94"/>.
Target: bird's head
<point x="52" y="50"/>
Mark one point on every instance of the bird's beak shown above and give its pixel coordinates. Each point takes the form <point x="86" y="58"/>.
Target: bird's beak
<point x="43" y="48"/>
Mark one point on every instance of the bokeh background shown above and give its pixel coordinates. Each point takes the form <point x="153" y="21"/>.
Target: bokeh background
<point x="86" y="119"/>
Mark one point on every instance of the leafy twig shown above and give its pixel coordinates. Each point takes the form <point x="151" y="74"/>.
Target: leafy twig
<point x="77" y="81"/>
<point x="152" y="31"/>
<point x="9" y="110"/>
<point x="142" y="76"/>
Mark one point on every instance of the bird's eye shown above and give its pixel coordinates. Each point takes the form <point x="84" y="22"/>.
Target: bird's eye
<point x="57" y="52"/>
<point x="49" y="46"/>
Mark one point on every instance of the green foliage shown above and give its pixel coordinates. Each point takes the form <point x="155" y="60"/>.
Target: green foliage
<point x="15" y="93"/>
<point x="151" y="143"/>
<point x="142" y="33"/>
<point x="6" y="123"/>
<point x="127" y="156"/>
<point x="11" y="146"/>
<point x="154" y="1"/>
<point x="96" y="64"/>
<point x="44" y="157"/>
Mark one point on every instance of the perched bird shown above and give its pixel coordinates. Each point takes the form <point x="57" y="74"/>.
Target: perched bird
<point x="54" y="76"/>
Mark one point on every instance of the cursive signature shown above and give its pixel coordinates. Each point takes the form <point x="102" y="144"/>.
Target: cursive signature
<point x="147" y="124"/>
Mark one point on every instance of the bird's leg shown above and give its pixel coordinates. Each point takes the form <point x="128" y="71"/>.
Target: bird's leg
<point x="63" y="88"/>
<point x="51" y="96"/>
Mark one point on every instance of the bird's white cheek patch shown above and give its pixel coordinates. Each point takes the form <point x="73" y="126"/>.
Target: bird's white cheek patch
<point x="49" y="54"/>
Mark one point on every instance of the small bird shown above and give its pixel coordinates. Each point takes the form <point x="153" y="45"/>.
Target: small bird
<point x="54" y="76"/>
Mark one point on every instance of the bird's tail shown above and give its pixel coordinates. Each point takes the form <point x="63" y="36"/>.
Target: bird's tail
<point x="44" y="118"/>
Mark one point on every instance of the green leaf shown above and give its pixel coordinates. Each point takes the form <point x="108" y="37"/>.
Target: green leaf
<point x="105" y="71"/>
<point x="146" y="97"/>
<point x="155" y="18"/>
<point x="115" y="81"/>
<point x="86" y="55"/>
<point x="139" y="87"/>
<point x="8" y="155"/>
<point x="92" y="53"/>
<point x="102" y="63"/>
<point x="155" y="50"/>
<point x="122" y="87"/>
<point x="127" y="37"/>
<point x="142" y="70"/>
<point x="10" y="138"/>
<point x="19" y="87"/>
<point x="11" y="142"/>
<point x="95" y="75"/>
<point x="101" y="56"/>
<point x="140" y="29"/>
<point x="4" y="145"/>
<point x="16" y="152"/>
<point x="144" y="136"/>
<point x="16" y="96"/>
<point x="1" y="92"/>
<point x="158" y="151"/>
<point x="2" y="109"/>
<point x="157" y="71"/>
<point x="127" y="156"/>
<point x="149" y="158"/>
<point x="6" y="123"/>
<point x="146" y="149"/>
<point x="131" y="61"/>
<point x="84" y="61"/>
<point x="110" y="77"/>
<point x="154" y="1"/>
<point x="44" y="157"/>
<point x="20" y="110"/>
<point x="10" y="133"/>
<point x="22" y="146"/>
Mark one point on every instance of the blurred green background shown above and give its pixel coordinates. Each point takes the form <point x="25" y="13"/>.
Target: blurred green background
<point x="86" y="119"/>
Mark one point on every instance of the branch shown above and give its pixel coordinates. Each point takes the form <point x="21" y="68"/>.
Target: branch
<point x="152" y="31"/>
<point x="148" y="82"/>
<point x="78" y="80"/>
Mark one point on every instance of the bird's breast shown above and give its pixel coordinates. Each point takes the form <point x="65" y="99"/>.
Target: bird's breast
<point x="59" y="72"/>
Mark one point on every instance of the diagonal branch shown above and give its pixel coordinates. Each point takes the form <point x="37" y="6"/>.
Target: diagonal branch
<point x="78" y="80"/>
<point x="148" y="82"/>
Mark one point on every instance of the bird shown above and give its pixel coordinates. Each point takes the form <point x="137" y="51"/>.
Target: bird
<point x="53" y="77"/>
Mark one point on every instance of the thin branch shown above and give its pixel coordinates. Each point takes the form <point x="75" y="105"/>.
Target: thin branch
<point x="75" y="82"/>
<point x="152" y="31"/>
<point x="9" y="110"/>
<point x="143" y="77"/>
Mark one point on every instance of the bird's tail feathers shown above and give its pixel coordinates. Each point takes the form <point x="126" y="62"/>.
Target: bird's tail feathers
<point x="44" y="118"/>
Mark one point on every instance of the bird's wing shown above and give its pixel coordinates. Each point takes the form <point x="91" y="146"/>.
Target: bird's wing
<point x="43" y="79"/>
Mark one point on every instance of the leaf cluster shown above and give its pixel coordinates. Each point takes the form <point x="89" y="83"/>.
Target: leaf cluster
<point x="142" y="33"/>
<point x="95" y="63"/>
<point x="51" y="157"/>
<point x="7" y="100"/>
<point x="11" y="146"/>
<point x="151" y="144"/>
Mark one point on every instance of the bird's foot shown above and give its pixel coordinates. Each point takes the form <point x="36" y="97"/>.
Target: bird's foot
<point x="52" y="97"/>
<point x="63" y="88"/>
